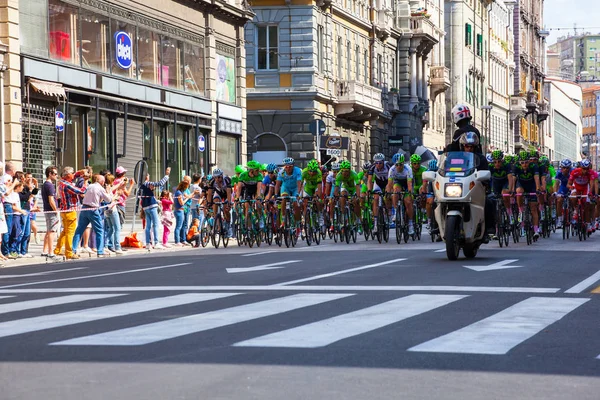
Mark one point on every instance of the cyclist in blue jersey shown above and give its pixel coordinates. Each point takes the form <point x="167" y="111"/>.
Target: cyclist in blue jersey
<point x="561" y="187"/>
<point x="289" y="183"/>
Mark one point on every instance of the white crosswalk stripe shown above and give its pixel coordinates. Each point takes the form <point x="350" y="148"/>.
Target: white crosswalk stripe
<point x="164" y="330"/>
<point x="52" y="301"/>
<point x="34" y="324"/>
<point x="503" y="331"/>
<point x="327" y="331"/>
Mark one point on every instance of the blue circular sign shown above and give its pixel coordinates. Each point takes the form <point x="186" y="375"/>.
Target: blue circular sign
<point x="123" y="49"/>
<point x="59" y="121"/>
<point x="201" y="143"/>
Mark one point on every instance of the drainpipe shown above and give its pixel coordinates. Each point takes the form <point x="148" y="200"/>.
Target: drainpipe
<point x="3" y="67"/>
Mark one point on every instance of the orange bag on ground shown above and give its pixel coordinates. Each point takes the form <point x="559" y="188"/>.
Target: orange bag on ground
<point x="131" y="240"/>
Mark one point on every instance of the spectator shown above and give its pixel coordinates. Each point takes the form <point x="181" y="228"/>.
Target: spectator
<point x="126" y="192"/>
<point x="50" y="208"/>
<point x="166" y="199"/>
<point x="180" y="200"/>
<point x="82" y="180"/>
<point x="195" y="204"/>
<point x="150" y="209"/>
<point x="29" y="191"/>
<point x="3" y="226"/>
<point x="7" y="180"/>
<point x="187" y="205"/>
<point x="193" y="235"/>
<point x="91" y="213"/>
<point x="69" y="200"/>
<point x="17" y="221"/>
<point x="33" y="207"/>
<point x="112" y="223"/>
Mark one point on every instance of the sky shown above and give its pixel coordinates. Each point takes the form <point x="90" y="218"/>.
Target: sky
<point x="564" y="13"/>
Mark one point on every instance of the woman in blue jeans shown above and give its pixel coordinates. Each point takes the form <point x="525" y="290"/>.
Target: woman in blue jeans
<point x="150" y="207"/>
<point x="180" y="199"/>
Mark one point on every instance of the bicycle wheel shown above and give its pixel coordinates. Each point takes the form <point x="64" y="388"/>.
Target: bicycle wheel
<point x="269" y="229"/>
<point x="353" y="227"/>
<point x="308" y="228"/>
<point x="380" y="224"/>
<point x="346" y="223"/>
<point x="386" y="226"/>
<point x="205" y="232"/>
<point x="286" y="231"/>
<point x="500" y="227"/>
<point x="293" y="231"/>
<point x="398" y="223"/>
<point x="366" y="223"/>
<point x="316" y="227"/>
<point x="217" y="231"/>
<point x="225" y="234"/>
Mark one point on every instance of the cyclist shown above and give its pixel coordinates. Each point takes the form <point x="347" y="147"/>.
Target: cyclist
<point x="269" y="181"/>
<point x="430" y="206"/>
<point x="347" y="184"/>
<point x="527" y="180"/>
<point x="400" y="179"/>
<point x="581" y="179"/>
<point x="312" y="178"/>
<point x="250" y="188"/>
<point x="502" y="175"/>
<point x="377" y="180"/>
<point x="219" y="189"/>
<point x="289" y="184"/>
<point x="418" y="169"/>
<point x="561" y="187"/>
<point x="330" y="190"/>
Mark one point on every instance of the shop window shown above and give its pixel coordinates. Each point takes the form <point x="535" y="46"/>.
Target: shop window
<point x="62" y="34"/>
<point x="33" y="27"/>
<point x="119" y="26"/>
<point x="227" y="152"/>
<point x="198" y="161"/>
<point x="176" y="153"/>
<point x="148" y="56"/>
<point x="171" y="67"/>
<point x="194" y="68"/>
<point x="95" y="41"/>
<point x="153" y="153"/>
<point x="99" y="142"/>
<point x="73" y="140"/>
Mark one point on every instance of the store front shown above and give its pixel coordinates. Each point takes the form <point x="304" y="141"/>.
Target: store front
<point x="229" y="135"/>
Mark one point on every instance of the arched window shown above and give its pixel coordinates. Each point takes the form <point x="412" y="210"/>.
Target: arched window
<point x="270" y="142"/>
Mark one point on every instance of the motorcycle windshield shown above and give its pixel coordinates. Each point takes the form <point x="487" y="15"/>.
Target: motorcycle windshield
<point x="458" y="163"/>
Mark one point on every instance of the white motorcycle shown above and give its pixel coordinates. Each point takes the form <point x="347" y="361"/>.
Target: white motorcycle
<point x="460" y="197"/>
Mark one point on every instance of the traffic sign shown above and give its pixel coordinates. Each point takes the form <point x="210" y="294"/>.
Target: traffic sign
<point x="201" y="143"/>
<point x="317" y="126"/>
<point x="334" y="152"/>
<point x="59" y="121"/>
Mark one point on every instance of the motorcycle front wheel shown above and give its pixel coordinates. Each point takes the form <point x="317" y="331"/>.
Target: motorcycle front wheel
<point x="452" y="234"/>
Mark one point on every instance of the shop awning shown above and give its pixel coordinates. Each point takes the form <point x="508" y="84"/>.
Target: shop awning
<point x="51" y="89"/>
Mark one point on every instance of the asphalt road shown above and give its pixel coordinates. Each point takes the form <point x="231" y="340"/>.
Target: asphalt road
<point x="358" y="321"/>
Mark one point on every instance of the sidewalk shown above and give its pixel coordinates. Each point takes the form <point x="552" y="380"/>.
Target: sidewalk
<point x="36" y="250"/>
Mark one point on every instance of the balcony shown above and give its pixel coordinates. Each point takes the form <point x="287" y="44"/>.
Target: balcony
<point x="392" y="102"/>
<point x="543" y="112"/>
<point x="439" y="79"/>
<point x="358" y="101"/>
<point x="423" y="28"/>
<point x="532" y="101"/>
<point x="518" y="107"/>
<point x="383" y="23"/>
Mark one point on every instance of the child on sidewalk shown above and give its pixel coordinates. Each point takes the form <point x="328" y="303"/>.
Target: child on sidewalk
<point x="193" y="235"/>
<point x="166" y="201"/>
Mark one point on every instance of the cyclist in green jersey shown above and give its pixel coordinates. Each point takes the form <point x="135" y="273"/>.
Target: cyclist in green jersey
<point x="348" y="184"/>
<point x="250" y="187"/>
<point x="418" y="187"/>
<point x="312" y="179"/>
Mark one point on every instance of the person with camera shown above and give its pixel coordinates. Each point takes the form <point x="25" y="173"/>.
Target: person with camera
<point x="68" y="194"/>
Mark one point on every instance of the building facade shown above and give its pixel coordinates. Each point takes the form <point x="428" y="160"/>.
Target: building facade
<point x="501" y="68"/>
<point x="467" y="55"/>
<point x="589" y="142"/>
<point x="107" y="83"/>
<point x="564" y="120"/>
<point x="579" y="57"/>
<point x="529" y="56"/>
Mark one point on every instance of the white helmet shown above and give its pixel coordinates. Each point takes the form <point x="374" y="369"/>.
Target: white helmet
<point x="460" y="112"/>
<point x="378" y="157"/>
<point x="335" y="166"/>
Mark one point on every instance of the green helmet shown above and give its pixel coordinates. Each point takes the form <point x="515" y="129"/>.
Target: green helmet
<point x="544" y="160"/>
<point x="313" y="165"/>
<point x="239" y="169"/>
<point x="508" y="158"/>
<point x="415" y="158"/>
<point x="345" y="165"/>
<point x="263" y="167"/>
<point x="523" y="156"/>
<point x="533" y="154"/>
<point x="253" y="165"/>
<point x="497" y="155"/>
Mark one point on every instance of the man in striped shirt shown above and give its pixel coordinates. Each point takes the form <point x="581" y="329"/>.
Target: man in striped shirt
<point x="68" y="194"/>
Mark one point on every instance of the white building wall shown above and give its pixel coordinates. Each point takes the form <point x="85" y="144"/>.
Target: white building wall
<point x="565" y="104"/>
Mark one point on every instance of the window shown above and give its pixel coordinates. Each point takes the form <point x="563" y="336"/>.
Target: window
<point x="193" y="69"/>
<point x="339" y="60"/>
<point x="357" y="62"/>
<point x="592" y="49"/>
<point x="366" y="66"/>
<point x="118" y="26"/>
<point x="148" y="56"/>
<point x="33" y="27"/>
<point x="267" y="50"/>
<point x="468" y="35"/>
<point x="62" y="34"/>
<point x="171" y="66"/>
<point x="95" y="41"/>
<point x="348" y="61"/>
<point x="320" y="44"/>
<point x="479" y="49"/>
<point x="379" y="69"/>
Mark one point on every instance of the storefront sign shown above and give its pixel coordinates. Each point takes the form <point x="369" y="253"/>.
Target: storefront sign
<point x="124" y="50"/>
<point x="334" y="152"/>
<point x="229" y="126"/>
<point x="334" y="142"/>
<point x="59" y="121"/>
<point x="201" y="143"/>
<point x="395" y="140"/>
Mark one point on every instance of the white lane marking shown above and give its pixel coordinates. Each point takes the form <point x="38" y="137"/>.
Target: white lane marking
<point x="262" y="267"/>
<point x="440" y="251"/>
<point x="34" y="324"/>
<point x="503" y="331"/>
<point x="273" y="288"/>
<point x="6" y="297"/>
<point x="259" y="253"/>
<point x="320" y="246"/>
<point x="499" y="265"/>
<point x="345" y="271"/>
<point x="40" y="273"/>
<point x="331" y="330"/>
<point x="53" y="301"/>
<point x="584" y="284"/>
<point x="95" y="276"/>
<point x="163" y="330"/>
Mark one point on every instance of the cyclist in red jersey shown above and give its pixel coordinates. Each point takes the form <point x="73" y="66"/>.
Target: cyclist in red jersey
<point x="581" y="179"/>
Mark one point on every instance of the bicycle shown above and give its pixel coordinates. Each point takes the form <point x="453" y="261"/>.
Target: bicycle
<point x="288" y="225"/>
<point x="311" y="222"/>
<point x="206" y="228"/>
<point x="580" y="224"/>
<point x="383" y="221"/>
<point x="401" y="220"/>
<point x="348" y="226"/>
<point x="527" y="218"/>
<point x="367" y="217"/>
<point x="219" y="230"/>
<point x="502" y="221"/>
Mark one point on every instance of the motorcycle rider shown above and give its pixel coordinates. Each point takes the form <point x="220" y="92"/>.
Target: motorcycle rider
<point x="469" y="142"/>
<point x="461" y="114"/>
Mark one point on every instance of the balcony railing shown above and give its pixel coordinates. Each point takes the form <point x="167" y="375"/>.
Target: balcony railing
<point x="518" y="106"/>
<point x="358" y="99"/>
<point x="440" y="79"/>
<point x="423" y="27"/>
<point x="383" y="22"/>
